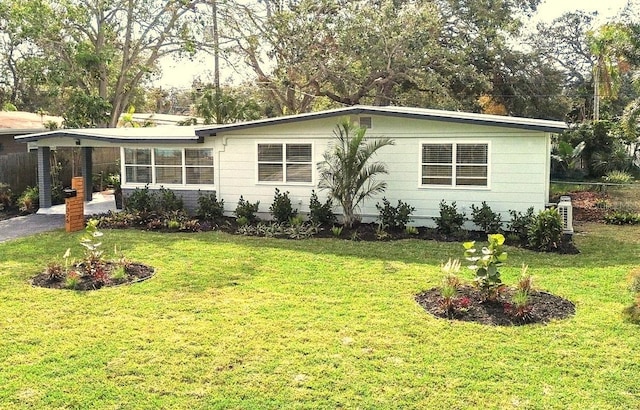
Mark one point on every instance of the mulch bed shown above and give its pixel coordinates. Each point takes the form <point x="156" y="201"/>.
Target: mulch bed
<point x="545" y="307"/>
<point x="136" y="272"/>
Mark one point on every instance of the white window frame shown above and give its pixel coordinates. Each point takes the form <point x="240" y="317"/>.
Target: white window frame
<point x="284" y="163"/>
<point x="154" y="167"/>
<point x="454" y="164"/>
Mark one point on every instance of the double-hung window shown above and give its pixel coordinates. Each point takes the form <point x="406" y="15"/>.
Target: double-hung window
<point x="455" y="164"/>
<point x="169" y="166"/>
<point x="286" y="162"/>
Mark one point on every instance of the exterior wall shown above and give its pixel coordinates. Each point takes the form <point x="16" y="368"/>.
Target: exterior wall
<point x="518" y="166"/>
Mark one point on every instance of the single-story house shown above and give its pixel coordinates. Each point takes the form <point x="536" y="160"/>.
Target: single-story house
<point x="438" y="155"/>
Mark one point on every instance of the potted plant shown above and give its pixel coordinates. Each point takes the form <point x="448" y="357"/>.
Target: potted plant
<point x="114" y="181"/>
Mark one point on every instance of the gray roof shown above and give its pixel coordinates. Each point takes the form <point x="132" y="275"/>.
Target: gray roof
<point x="121" y="135"/>
<point x="403" y="112"/>
<point x="177" y="134"/>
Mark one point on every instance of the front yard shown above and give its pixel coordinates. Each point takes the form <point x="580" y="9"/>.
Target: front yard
<point x="244" y="322"/>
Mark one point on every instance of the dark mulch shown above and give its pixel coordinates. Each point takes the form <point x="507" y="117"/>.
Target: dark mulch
<point x="544" y="307"/>
<point x="135" y="272"/>
<point x="587" y="205"/>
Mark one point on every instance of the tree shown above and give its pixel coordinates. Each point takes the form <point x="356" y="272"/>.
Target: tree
<point x="347" y="171"/>
<point x="228" y="105"/>
<point x="108" y="48"/>
<point x="607" y="46"/>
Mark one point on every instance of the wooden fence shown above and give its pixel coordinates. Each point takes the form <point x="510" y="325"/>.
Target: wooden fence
<point x="20" y="170"/>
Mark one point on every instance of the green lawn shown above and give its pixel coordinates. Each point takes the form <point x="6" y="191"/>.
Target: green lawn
<point x="239" y="322"/>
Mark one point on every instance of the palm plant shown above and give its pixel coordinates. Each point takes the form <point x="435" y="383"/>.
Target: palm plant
<point x="347" y="171"/>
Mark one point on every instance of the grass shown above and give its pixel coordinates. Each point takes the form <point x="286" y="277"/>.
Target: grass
<point x="239" y="322"/>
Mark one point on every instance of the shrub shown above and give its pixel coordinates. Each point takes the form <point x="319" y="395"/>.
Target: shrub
<point x="394" y="218"/>
<point x="336" y="231"/>
<point x="545" y="230"/>
<point x="6" y="197"/>
<point x="486" y="219"/>
<point x="168" y="201"/>
<point x="519" y="224"/>
<point x="632" y="312"/>
<point x="411" y="230"/>
<point x="622" y="218"/>
<point x="29" y="200"/>
<point x="486" y="263"/>
<point x="281" y="209"/>
<point x="209" y="208"/>
<point x="618" y="177"/>
<point x="246" y="211"/>
<point x="141" y="200"/>
<point x="450" y="220"/>
<point x="321" y="214"/>
<point x="450" y="286"/>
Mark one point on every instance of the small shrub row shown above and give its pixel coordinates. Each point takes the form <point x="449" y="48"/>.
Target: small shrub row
<point x="163" y="201"/>
<point x="542" y="231"/>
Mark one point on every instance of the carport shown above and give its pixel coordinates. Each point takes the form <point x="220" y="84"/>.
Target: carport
<point x="87" y="139"/>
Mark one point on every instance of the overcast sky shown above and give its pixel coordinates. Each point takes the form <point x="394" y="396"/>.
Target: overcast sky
<point x="182" y="74"/>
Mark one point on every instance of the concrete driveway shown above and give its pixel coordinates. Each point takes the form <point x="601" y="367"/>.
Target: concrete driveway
<point x="52" y="218"/>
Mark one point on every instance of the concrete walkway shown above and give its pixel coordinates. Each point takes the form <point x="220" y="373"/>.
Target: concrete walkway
<point x="52" y="218"/>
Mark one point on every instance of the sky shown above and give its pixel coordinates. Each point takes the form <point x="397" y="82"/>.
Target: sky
<point x="181" y="74"/>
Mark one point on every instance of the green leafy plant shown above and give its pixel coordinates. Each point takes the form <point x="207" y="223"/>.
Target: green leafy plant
<point x="450" y="220"/>
<point x="336" y="231"/>
<point x="296" y="221"/>
<point x="93" y="262"/>
<point x="485" y="264"/>
<point x="141" y="200"/>
<point x="6" y="197"/>
<point x="486" y="219"/>
<point x="520" y="223"/>
<point x="450" y="285"/>
<point x="281" y="209"/>
<point x="209" y="208"/>
<point x="168" y="201"/>
<point x="29" y="200"/>
<point x="411" y="230"/>
<point x="319" y="213"/>
<point x="246" y="210"/>
<point x="394" y="218"/>
<point x="618" y="177"/>
<point x="348" y="172"/>
<point x="72" y="280"/>
<point x="545" y="230"/>
<point x="622" y="217"/>
<point x="520" y="305"/>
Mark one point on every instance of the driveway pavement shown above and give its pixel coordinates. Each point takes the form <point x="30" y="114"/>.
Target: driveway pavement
<point x="51" y="219"/>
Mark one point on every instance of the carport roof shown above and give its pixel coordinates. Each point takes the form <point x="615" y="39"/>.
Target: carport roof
<point x="120" y="135"/>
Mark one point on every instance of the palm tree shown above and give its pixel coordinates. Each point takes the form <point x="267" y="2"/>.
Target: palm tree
<point x="347" y="171"/>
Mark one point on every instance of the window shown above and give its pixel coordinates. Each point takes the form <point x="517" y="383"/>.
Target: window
<point x="458" y="164"/>
<point x="137" y="165"/>
<point x="164" y="166"/>
<point x="284" y="163"/>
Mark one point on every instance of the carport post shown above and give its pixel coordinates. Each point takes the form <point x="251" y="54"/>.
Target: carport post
<point x="87" y="172"/>
<point x="44" y="176"/>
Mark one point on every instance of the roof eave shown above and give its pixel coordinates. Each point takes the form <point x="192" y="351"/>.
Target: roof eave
<point x="497" y="121"/>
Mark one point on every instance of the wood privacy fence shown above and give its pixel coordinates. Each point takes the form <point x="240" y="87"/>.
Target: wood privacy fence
<point x="20" y="170"/>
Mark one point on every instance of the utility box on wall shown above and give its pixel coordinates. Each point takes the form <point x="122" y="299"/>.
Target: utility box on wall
<point x="74" y="204"/>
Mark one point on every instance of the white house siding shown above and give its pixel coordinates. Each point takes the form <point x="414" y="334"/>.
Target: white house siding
<point x="518" y="165"/>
